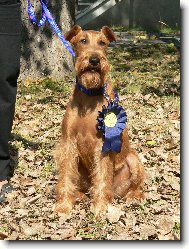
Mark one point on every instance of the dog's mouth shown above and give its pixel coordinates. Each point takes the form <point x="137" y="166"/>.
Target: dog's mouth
<point x="90" y="77"/>
<point x="92" y="70"/>
<point x="95" y="70"/>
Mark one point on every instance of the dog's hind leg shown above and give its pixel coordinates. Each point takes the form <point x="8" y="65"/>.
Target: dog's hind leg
<point x="128" y="181"/>
<point x="122" y="181"/>
<point x="137" y="177"/>
<point x="67" y="188"/>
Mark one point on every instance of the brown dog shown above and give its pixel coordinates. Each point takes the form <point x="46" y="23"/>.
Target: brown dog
<point x="82" y="165"/>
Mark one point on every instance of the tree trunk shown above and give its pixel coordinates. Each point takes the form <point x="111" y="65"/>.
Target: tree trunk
<point x="131" y="13"/>
<point x="43" y="54"/>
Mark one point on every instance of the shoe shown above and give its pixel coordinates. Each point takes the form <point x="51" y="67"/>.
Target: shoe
<point x="6" y="188"/>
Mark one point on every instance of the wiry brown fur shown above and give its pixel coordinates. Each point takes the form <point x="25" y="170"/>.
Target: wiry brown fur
<point x="82" y="166"/>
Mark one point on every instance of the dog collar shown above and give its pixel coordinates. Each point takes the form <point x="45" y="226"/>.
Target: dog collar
<point x="93" y="91"/>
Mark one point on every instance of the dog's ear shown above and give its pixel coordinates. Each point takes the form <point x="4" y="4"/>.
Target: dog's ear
<point x="73" y="32"/>
<point x="108" y="33"/>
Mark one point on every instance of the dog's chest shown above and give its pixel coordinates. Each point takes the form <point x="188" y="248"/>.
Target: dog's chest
<point x="86" y="126"/>
<point x="87" y="137"/>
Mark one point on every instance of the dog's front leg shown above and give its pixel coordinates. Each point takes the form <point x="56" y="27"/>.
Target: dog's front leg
<point x="102" y="179"/>
<point x="66" y="189"/>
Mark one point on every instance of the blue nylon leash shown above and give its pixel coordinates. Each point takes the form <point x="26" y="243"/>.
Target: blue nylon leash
<point x="32" y="16"/>
<point x="46" y="15"/>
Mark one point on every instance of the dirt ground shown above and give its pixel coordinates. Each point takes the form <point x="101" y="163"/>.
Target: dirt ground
<point x="148" y="81"/>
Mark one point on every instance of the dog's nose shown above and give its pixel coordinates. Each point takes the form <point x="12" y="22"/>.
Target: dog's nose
<point x="94" y="60"/>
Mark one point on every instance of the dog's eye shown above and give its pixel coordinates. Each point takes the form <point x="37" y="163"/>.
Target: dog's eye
<point x="83" y="41"/>
<point x="101" y="43"/>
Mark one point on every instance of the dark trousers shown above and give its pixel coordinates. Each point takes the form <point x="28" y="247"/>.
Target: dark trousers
<point x="10" y="39"/>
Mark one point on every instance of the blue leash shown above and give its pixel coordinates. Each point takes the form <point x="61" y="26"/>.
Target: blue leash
<point x="46" y="15"/>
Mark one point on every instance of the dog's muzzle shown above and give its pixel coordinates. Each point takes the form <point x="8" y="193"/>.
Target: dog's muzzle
<point x="94" y="61"/>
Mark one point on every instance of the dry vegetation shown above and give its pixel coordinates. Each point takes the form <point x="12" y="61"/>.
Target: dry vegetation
<point x="148" y="81"/>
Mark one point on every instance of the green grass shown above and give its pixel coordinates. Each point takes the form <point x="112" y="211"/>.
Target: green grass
<point x="141" y="31"/>
<point x="47" y="84"/>
<point x="92" y="235"/>
<point x="127" y="29"/>
<point x="47" y="169"/>
<point x="3" y="229"/>
<point x="169" y="30"/>
<point x="133" y="70"/>
<point x="153" y="68"/>
<point x="176" y="228"/>
<point x="144" y="204"/>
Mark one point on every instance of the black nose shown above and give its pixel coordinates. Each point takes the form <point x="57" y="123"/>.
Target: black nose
<point x="94" y="61"/>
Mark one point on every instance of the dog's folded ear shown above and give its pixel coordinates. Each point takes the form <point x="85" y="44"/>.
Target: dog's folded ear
<point x="73" y="32"/>
<point x="108" y="33"/>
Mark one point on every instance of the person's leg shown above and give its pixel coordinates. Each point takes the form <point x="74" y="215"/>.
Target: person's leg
<point x="10" y="39"/>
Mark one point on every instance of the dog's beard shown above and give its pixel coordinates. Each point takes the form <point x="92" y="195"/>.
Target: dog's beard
<point x="91" y="77"/>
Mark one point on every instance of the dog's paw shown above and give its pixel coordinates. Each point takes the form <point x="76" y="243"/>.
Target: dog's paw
<point x="134" y="197"/>
<point x="79" y="196"/>
<point x="99" y="210"/>
<point x="63" y="207"/>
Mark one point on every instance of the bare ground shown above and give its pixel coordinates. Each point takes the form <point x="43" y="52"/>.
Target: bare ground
<point x="148" y="82"/>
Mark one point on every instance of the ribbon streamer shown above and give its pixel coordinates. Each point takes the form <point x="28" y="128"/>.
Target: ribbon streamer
<point x="112" y="121"/>
<point x="46" y="15"/>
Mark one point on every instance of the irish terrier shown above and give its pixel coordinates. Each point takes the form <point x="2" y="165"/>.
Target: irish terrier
<point x="82" y="165"/>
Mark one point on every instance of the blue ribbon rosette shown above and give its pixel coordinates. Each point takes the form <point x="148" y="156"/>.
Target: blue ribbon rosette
<point x="112" y="121"/>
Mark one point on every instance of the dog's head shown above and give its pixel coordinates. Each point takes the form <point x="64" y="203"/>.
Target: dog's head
<point x="90" y="46"/>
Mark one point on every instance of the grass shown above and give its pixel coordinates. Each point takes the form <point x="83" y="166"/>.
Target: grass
<point x="46" y="84"/>
<point x="176" y="228"/>
<point x="140" y="30"/>
<point x="153" y="68"/>
<point x="169" y="30"/>
<point x="95" y="232"/>
<point x="133" y="69"/>
<point x="92" y="236"/>
<point x="144" y="204"/>
<point x="47" y="169"/>
<point x="3" y="230"/>
<point x="127" y="29"/>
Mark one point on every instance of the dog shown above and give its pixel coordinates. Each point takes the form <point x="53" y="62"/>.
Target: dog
<point x="81" y="164"/>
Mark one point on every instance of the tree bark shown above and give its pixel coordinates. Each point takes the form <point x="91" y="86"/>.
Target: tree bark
<point x="43" y="54"/>
<point x="131" y="13"/>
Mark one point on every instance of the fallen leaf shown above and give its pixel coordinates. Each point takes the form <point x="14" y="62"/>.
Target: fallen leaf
<point x="114" y="213"/>
<point x="34" y="199"/>
<point x="3" y="236"/>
